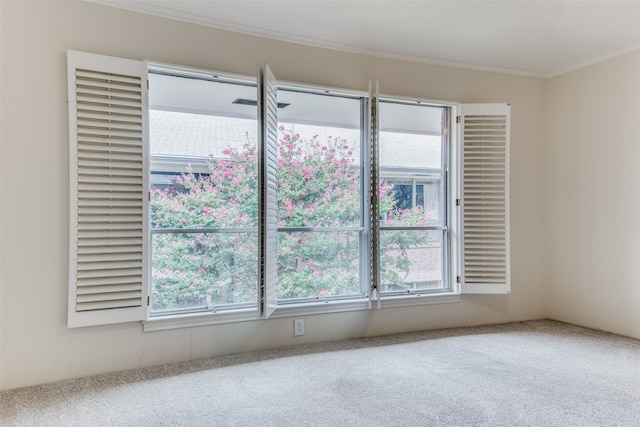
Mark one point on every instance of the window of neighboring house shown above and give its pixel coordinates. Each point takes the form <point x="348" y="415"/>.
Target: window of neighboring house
<point x="411" y="193"/>
<point x="414" y="232"/>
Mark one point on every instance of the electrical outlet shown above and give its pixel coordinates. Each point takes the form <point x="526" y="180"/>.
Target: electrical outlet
<point x="298" y="327"/>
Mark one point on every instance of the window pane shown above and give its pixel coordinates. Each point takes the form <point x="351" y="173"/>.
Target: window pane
<point x="319" y="161"/>
<point x="403" y="193"/>
<point x="226" y="196"/>
<point x="318" y="264"/>
<point x="411" y="260"/>
<point x="420" y="195"/>
<point x="203" y="155"/>
<point x="433" y="201"/>
<point x="319" y="187"/>
<point x="195" y="270"/>
<point x="410" y="144"/>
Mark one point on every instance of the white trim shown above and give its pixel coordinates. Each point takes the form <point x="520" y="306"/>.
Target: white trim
<point x="191" y="320"/>
<point x="593" y="61"/>
<point x="202" y="73"/>
<point x="294" y="310"/>
<point x="157" y="10"/>
<point x="420" y="299"/>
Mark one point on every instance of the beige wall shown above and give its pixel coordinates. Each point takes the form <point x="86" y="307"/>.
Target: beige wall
<point x="593" y="197"/>
<point x="37" y="347"/>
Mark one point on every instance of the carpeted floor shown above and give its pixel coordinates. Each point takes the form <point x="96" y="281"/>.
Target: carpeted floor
<point x="538" y="373"/>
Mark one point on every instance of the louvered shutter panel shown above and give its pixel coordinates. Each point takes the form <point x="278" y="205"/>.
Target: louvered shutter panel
<point x="108" y="213"/>
<point x="374" y="182"/>
<point x="485" y="137"/>
<point x="268" y="235"/>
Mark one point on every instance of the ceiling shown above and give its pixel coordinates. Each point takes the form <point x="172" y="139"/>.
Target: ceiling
<point x="536" y="38"/>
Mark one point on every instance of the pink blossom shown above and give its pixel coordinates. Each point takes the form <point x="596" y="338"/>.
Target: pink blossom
<point x="202" y="271"/>
<point x="289" y="207"/>
<point x="323" y="293"/>
<point x="306" y="173"/>
<point x="226" y="173"/>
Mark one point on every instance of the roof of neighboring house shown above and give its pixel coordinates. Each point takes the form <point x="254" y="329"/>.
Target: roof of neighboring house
<point x="186" y="135"/>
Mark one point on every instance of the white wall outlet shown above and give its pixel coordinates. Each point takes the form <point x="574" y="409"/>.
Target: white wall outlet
<point x="298" y="327"/>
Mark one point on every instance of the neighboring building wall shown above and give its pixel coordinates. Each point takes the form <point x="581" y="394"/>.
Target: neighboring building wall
<point x="37" y="347"/>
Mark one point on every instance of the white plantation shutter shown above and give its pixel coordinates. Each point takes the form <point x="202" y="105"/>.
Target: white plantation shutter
<point x="485" y="130"/>
<point x="108" y="213"/>
<point x="374" y="210"/>
<point x="268" y="175"/>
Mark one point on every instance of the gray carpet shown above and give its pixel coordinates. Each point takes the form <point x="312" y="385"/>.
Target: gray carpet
<point x="538" y="373"/>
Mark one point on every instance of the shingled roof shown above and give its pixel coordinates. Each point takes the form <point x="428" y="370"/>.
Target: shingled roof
<point x="197" y="136"/>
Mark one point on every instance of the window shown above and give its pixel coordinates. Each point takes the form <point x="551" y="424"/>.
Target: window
<point x="204" y="195"/>
<point x="315" y="197"/>
<point x="414" y="234"/>
<point x="320" y="196"/>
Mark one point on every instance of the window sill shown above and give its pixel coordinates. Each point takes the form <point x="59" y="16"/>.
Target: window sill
<point x="190" y="320"/>
<point x="307" y="309"/>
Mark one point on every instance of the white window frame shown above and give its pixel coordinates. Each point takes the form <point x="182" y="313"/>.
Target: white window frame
<point x="177" y="320"/>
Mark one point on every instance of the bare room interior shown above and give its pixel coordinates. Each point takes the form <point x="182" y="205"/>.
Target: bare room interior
<point x="374" y="303"/>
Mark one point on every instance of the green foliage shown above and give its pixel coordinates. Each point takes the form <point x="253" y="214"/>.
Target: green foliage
<point x="319" y="186"/>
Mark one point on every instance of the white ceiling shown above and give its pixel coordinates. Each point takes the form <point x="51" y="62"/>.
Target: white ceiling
<point x="537" y="38"/>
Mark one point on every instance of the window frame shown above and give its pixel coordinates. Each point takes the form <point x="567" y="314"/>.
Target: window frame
<point x="309" y="306"/>
<point x="449" y="218"/>
<point x="176" y="71"/>
<point x="363" y="283"/>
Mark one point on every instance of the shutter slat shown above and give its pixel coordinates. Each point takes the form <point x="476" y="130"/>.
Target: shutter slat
<point x="112" y="284"/>
<point x="109" y="272"/>
<point x="88" y="244"/>
<point x="88" y="142"/>
<point x="108" y="305"/>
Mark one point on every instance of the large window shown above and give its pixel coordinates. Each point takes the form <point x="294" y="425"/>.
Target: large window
<point x="204" y="195"/>
<point x="220" y="197"/>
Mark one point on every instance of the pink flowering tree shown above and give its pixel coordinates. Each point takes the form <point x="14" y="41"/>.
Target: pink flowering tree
<point x="318" y="189"/>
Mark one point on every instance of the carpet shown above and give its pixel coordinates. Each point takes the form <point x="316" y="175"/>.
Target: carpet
<point x="537" y="373"/>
